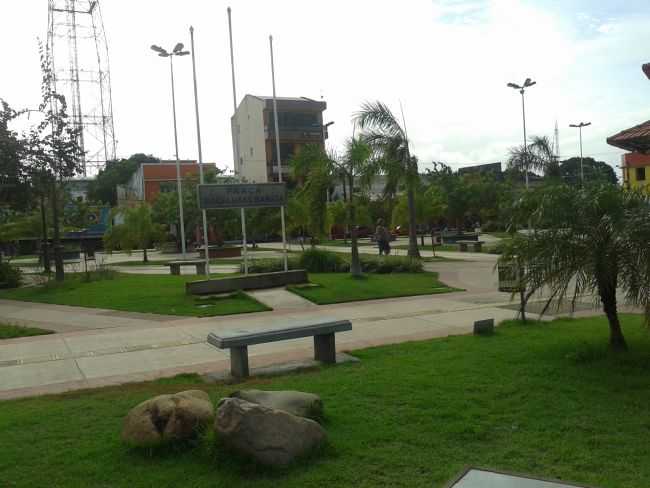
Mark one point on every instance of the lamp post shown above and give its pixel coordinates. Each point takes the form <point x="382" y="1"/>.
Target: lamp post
<point x="177" y="51"/>
<point x="579" y="127"/>
<point x="522" y="89"/>
<point x="325" y="130"/>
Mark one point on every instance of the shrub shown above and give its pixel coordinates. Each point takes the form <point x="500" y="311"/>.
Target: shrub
<point x="321" y="261"/>
<point x="270" y="265"/>
<point x="390" y="264"/>
<point x="10" y="276"/>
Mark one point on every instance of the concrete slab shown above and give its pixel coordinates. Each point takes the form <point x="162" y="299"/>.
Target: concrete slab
<point x="50" y="348"/>
<point x="148" y="360"/>
<point x="281" y="299"/>
<point x="35" y="375"/>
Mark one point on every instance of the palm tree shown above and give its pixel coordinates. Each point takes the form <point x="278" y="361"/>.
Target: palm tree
<point x="388" y="139"/>
<point x="591" y="240"/>
<point x="355" y="165"/>
<point x="538" y="155"/>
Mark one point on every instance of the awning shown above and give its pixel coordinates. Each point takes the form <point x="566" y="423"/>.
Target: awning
<point x="635" y="139"/>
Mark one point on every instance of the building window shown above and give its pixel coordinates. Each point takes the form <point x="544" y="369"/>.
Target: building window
<point x="167" y="186"/>
<point x="640" y="174"/>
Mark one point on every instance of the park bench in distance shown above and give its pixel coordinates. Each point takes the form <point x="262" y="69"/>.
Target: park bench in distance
<point x="238" y="341"/>
<point x="477" y="246"/>
<point x="175" y="266"/>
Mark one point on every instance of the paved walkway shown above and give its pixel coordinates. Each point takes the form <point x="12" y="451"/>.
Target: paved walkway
<point x="97" y="347"/>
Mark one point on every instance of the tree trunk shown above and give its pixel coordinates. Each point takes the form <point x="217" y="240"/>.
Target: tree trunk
<point x="355" y="263"/>
<point x="45" y="243"/>
<point x="346" y="227"/>
<point x="608" y="298"/>
<point x="145" y="258"/>
<point x="413" y="239"/>
<point x="58" y="256"/>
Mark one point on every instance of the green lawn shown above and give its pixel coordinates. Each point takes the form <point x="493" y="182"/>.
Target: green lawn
<point x="342" y="287"/>
<point x="9" y="331"/>
<point x="546" y="399"/>
<point x="162" y="294"/>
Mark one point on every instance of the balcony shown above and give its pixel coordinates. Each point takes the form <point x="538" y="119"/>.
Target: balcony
<point x="304" y="133"/>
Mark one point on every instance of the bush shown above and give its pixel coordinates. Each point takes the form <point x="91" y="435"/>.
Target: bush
<point x="320" y="261"/>
<point x="269" y="265"/>
<point x="390" y="264"/>
<point x="10" y="276"/>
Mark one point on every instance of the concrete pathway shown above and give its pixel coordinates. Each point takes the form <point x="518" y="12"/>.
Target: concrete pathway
<point x="122" y="349"/>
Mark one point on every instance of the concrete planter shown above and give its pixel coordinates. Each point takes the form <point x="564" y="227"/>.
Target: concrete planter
<point x="251" y="282"/>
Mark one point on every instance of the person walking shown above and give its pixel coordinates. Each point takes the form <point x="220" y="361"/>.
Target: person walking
<point x="383" y="238"/>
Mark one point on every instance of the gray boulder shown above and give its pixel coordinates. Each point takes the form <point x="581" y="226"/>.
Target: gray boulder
<point x="168" y="418"/>
<point x="271" y="437"/>
<point x="297" y="403"/>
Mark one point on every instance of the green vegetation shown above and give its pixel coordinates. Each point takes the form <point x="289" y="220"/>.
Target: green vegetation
<point x="9" y="331"/>
<point x="547" y="399"/>
<point x="341" y="287"/>
<point x="159" y="294"/>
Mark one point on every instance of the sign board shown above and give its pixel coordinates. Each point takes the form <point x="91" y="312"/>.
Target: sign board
<point x="242" y="195"/>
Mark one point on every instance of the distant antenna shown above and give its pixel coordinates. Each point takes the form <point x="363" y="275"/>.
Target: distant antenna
<point x="556" y="142"/>
<point x="76" y="44"/>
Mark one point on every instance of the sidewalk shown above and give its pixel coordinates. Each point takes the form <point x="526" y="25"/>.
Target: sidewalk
<point x="117" y="349"/>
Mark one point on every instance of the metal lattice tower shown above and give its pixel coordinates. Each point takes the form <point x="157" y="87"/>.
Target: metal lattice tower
<point x="76" y="44"/>
<point x="556" y="142"/>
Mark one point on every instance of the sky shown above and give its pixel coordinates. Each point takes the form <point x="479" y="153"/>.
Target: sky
<point x="447" y="62"/>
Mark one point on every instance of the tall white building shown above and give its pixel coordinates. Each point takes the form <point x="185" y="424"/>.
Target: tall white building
<point x="300" y="122"/>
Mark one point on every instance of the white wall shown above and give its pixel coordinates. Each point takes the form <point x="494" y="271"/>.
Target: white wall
<point x="252" y="151"/>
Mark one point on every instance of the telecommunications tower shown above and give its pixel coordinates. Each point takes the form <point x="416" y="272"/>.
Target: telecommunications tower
<point x="76" y="45"/>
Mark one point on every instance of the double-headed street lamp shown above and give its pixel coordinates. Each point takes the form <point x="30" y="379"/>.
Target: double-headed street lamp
<point x="522" y="89"/>
<point x="579" y="127"/>
<point x="177" y="51"/>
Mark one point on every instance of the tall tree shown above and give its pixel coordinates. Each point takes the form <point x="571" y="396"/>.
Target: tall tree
<point x="54" y="153"/>
<point x="592" y="240"/>
<point x="538" y="155"/>
<point x="388" y="138"/>
<point x="14" y="183"/>
<point x="137" y="231"/>
<point x="593" y="171"/>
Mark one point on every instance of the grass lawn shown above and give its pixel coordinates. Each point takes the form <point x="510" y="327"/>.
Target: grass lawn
<point x="9" y="331"/>
<point x="163" y="294"/>
<point x="545" y="399"/>
<point x="342" y="287"/>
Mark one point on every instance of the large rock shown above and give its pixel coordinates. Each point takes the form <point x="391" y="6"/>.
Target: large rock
<point x="271" y="437"/>
<point x="168" y="418"/>
<point x="297" y="403"/>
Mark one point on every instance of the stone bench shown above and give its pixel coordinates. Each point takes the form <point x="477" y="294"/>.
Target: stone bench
<point x="477" y="246"/>
<point x="175" y="266"/>
<point x="239" y="340"/>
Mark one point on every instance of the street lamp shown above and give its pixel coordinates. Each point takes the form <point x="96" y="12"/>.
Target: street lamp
<point x="325" y="130"/>
<point x="177" y="51"/>
<point x="522" y="89"/>
<point x="579" y="127"/>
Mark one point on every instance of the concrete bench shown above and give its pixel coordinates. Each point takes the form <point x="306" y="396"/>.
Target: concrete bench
<point x="175" y="266"/>
<point x="238" y="341"/>
<point x="477" y="246"/>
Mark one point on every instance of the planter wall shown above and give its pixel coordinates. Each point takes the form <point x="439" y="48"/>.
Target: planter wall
<point x="251" y="282"/>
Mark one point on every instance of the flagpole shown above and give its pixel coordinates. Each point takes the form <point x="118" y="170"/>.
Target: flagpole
<point x="235" y="149"/>
<point x="198" y="138"/>
<point x="277" y="148"/>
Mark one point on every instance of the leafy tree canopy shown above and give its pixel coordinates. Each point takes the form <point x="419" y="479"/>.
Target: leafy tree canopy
<point x="593" y="171"/>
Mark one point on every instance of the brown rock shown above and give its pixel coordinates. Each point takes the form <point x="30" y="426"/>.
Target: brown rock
<point x="297" y="403"/>
<point x="168" y="418"/>
<point x="271" y="437"/>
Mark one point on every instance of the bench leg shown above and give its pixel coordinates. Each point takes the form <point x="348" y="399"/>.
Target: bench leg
<point x="200" y="269"/>
<point x="175" y="270"/>
<point x="239" y="362"/>
<point x="325" y="348"/>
